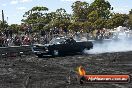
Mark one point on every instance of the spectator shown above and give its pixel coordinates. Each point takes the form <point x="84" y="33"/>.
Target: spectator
<point x="17" y="41"/>
<point x="10" y="33"/>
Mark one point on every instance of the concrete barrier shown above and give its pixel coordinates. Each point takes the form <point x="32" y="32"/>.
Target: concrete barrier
<point x="15" y="51"/>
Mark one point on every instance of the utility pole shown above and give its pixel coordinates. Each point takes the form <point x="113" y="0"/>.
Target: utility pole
<point x="3" y="22"/>
<point x="7" y="20"/>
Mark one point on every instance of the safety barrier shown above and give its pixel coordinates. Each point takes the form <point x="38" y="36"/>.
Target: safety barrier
<point x="14" y="51"/>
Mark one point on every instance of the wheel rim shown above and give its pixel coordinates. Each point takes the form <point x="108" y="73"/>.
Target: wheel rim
<point x="56" y="52"/>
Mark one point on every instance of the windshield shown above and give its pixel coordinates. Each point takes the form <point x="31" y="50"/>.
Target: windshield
<point x="57" y="40"/>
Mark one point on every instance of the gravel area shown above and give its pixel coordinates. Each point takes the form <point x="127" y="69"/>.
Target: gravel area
<point x="33" y="72"/>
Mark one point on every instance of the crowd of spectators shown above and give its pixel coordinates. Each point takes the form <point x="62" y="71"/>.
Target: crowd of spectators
<point x="9" y="38"/>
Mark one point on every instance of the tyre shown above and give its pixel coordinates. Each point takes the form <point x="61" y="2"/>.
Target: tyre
<point x="83" y="49"/>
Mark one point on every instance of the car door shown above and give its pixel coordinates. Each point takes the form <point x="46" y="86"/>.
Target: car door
<point x="70" y="46"/>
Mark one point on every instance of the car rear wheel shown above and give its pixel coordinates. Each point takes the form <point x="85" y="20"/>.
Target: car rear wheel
<point x="83" y="50"/>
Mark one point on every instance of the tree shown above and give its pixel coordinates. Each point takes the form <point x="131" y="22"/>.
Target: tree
<point x="59" y="20"/>
<point x="117" y="20"/>
<point x="76" y="26"/>
<point x="0" y="24"/>
<point x="102" y="7"/>
<point x="36" y="17"/>
<point x="93" y="16"/>
<point x="87" y="26"/>
<point x="15" y="27"/>
<point x="5" y="24"/>
<point x="80" y="11"/>
<point x="130" y="12"/>
<point x="130" y="19"/>
<point x="99" y="24"/>
<point x="99" y="13"/>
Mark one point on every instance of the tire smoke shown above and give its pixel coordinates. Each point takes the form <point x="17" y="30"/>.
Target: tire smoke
<point x="110" y="46"/>
<point x="122" y="43"/>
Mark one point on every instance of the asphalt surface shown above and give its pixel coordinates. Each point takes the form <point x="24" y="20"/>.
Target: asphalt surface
<point x="59" y="72"/>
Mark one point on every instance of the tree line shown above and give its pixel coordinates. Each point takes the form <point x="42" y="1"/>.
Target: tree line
<point x="85" y="17"/>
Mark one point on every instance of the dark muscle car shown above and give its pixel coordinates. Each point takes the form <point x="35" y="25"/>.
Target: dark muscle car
<point x="61" y="46"/>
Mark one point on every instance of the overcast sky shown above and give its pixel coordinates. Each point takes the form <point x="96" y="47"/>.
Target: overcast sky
<point x="14" y="9"/>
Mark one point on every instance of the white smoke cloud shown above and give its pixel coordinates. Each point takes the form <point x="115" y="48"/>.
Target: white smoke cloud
<point x="110" y="46"/>
<point x="122" y="44"/>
